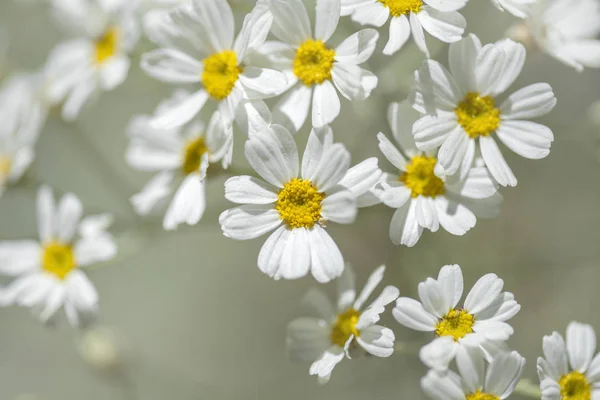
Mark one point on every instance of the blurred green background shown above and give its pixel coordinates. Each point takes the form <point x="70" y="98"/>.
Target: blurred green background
<point x="193" y="316"/>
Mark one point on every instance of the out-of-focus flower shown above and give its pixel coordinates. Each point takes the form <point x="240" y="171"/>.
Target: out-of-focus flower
<point x="47" y="272"/>
<point x="463" y="112"/>
<point x="325" y="340"/>
<point x="518" y="8"/>
<point x="437" y="17"/>
<point x="480" y="323"/>
<point x="177" y="155"/>
<point x="96" y="59"/>
<point x="423" y="196"/>
<point x="571" y="370"/>
<point x="198" y="47"/>
<point x="102" y="348"/>
<point x="315" y="71"/>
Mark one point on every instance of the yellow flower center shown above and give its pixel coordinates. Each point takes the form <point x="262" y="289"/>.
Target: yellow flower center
<point x="106" y="45"/>
<point x="345" y="325"/>
<point x="299" y="203"/>
<point x="420" y="179"/>
<point x="192" y="157"/>
<point x="456" y="323"/>
<point x="221" y="72"/>
<point x="478" y="115"/>
<point x="58" y="259"/>
<point x="575" y="386"/>
<point x="402" y="7"/>
<point x="5" y="166"/>
<point x="313" y="62"/>
<point x="479" y="395"/>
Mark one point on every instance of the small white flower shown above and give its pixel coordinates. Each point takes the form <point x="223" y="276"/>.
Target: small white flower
<point x="518" y="8"/>
<point x="96" y="59"/>
<point x="571" y="370"/>
<point x="325" y="340"/>
<point x="315" y="71"/>
<point x="179" y="154"/>
<point x="47" y="273"/>
<point x="439" y="18"/>
<point x="475" y="381"/>
<point x="425" y="198"/>
<point x="480" y="323"/>
<point x="296" y="202"/>
<point x="463" y="109"/>
<point x="198" y="48"/>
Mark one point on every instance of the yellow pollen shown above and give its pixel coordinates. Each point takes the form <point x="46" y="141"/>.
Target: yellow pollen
<point x="345" y="325"/>
<point x="420" y="179"/>
<point x="313" y="62"/>
<point x="575" y="386"/>
<point x="5" y="167"/>
<point x="106" y="45"/>
<point x="456" y="323"/>
<point x="194" y="150"/>
<point x="402" y="7"/>
<point x="221" y="72"/>
<point x="58" y="259"/>
<point x="299" y="203"/>
<point x="479" y="395"/>
<point x="478" y="115"/>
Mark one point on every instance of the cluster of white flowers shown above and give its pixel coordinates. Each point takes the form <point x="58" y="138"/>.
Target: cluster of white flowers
<point x="448" y="164"/>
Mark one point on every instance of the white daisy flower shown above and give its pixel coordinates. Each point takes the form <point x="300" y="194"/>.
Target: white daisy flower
<point x="198" y="48"/>
<point x="480" y="322"/>
<point x="325" y="341"/>
<point x="48" y="274"/>
<point x="463" y="109"/>
<point x="296" y="202"/>
<point x="438" y="17"/>
<point x="97" y="58"/>
<point x="315" y="71"/>
<point x="475" y="381"/>
<point x="178" y="156"/>
<point x="571" y="370"/>
<point x="425" y="198"/>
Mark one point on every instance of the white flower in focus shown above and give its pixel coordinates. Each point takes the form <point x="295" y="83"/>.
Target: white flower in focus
<point x="315" y="71"/>
<point x="571" y="370"/>
<point x="343" y="328"/>
<point x="96" y="59"/>
<point x="475" y="381"/>
<point x="198" y="48"/>
<point x="464" y="112"/>
<point x="296" y="202"/>
<point x="439" y="18"/>
<point x="425" y="198"/>
<point x="178" y="156"/>
<point x="47" y="273"/>
<point x="481" y="322"/>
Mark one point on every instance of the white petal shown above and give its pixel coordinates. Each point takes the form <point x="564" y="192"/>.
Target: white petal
<point x="327" y="262"/>
<point x="450" y="279"/>
<point x="374" y="14"/>
<point x="462" y="57"/>
<point x="438" y="87"/>
<point x="372" y="314"/>
<point x="432" y="131"/>
<point x="319" y="140"/>
<point x="417" y="33"/>
<point x="433" y="298"/>
<point x="181" y="113"/>
<point x="593" y="372"/>
<point x="401" y="117"/>
<point x="404" y="228"/>
<point x="581" y="345"/>
<point x="353" y="82"/>
<point x="319" y="303"/>
<point x="442" y="386"/>
<point x="555" y="352"/>
<point x="69" y="214"/>
<point x="188" y="204"/>
<point x="327" y="17"/>
<point x="454" y="217"/>
<point x="216" y="18"/>
<point x="391" y="152"/>
<point x="46" y="218"/>
<point x="439" y="352"/>
<point x="411" y="314"/>
<point x="82" y="294"/>
<point x="377" y="340"/>
<point x="445" y="26"/>
<point x="399" y="34"/>
<point x="19" y="257"/>
<point x="446" y="5"/>
<point x="95" y="249"/>
<point x="115" y="72"/>
<point x="394" y="196"/>
<point x="157" y="189"/>
<point x="513" y="64"/>
<point x="374" y="280"/>
<point x="249" y="190"/>
<point x="293" y="108"/>
<point x="529" y="102"/>
<point x="54" y="301"/>
<point x="362" y="177"/>
<point x="252" y="116"/>
<point x="492" y="330"/>
<point x="269" y="258"/>
<point x="426" y="213"/>
<point x="496" y="162"/>
<point x="170" y="65"/>
<point x="488" y="68"/>
<point x="501" y="309"/>
<point x="332" y="168"/>
<point x="478" y="184"/>
<point x="346" y="289"/>
<point x="527" y="139"/>
<point x="339" y="206"/>
<point x="483" y="293"/>
<point x="307" y="338"/>
<point x="290" y="21"/>
<point x="357" y="48"/>
<point x="504" y="373"/>
<point x="327" y="362"/>
<point x="249" y="222"/>
<point x="453" y="150"/>
<point x="295" y="260"/>
<point x="470" y="363"/>
<point x="254" y="30"/>
<point x="261" y="83"/>
<point x="326" y="104"/>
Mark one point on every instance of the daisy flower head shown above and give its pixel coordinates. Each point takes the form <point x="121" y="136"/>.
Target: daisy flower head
<point x="570" y="370"/>
<point x="343" y="328"/>
<point x="178" y="156"/>
<point x="296" y="200"/>
<point x="315" y="70"/>
<point x="475" y="380"/>
<point x="439" y="18"/>
<point x="96" y="59"/>
<point x="198" y="47"/>
<point x="480" y="322"/>
<point x="463" y="111"/>
<point x="47" y="273"/>
<point x="423" y="196"/>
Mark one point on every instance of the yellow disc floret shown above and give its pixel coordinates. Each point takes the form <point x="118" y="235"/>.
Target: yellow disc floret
<point x="402" y="7"/>
<point x="420" y="178"/>
<point x="299" y="203"/>
<point x="193" y="152"/>
<point x="58" y="259"/>
<point x="313" y="62"/>
<point x="575" y="386"/>
<point x="478" y="115"/>
<point x="345" y="325"/>
<point x="5" y="167"/>
<point x="479" y="395"/>
<point x="221" y="72"/>
<point x="457" y="323"/>
<point x="106" y="45"/>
